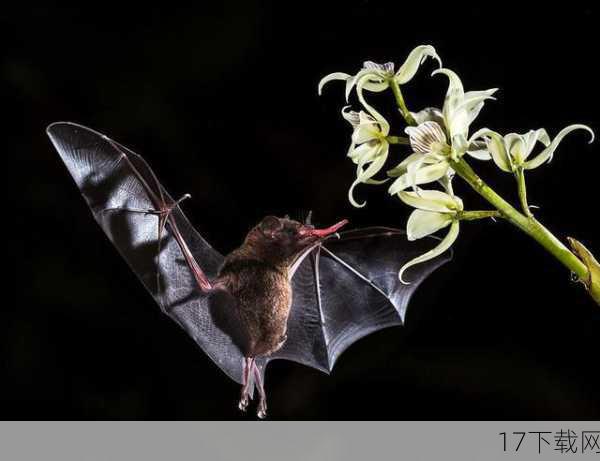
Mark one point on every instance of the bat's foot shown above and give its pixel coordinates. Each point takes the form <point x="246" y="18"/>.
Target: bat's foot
<point x="243" y="405"/>
<point x="262" y="410"/>
<point x="262" y="413"/>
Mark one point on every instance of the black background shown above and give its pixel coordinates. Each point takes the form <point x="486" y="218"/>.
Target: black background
<point x="221" y="100"/>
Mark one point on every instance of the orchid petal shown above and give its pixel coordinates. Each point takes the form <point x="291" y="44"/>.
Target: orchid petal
<point x="446" y="182"/>
<point x="364" y="176"/>
<point x="455" y="91"/>
<point x="375" y="165"/>
<point x="428" y="114"/>
<point x="401" y="168"/>
<point x="415" y="58"/>
<point x="532" y="137"/>
<point x="424" y="135"/>
<point x="331" y="77"/>
<point x="385" y="126"/>
<point x="365" y="132"/>
<point x="364" y="151"/>
<point x="386" y="68"/>
<point x="429" y="200"/>
<point x="351" y="195"/>
<point x="424" y="175"/>
<point x="547" y="153"/>
<point x="438" y="250"/>
<point x="496" y="147"/>
<point x="351" y="116"/>
<point x="478" y="150"/>
<point x="423" y="223"/>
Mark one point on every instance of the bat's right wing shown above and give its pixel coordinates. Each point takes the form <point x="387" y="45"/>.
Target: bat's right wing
<point x="147" y="226"/>
<point x="347" y="288"/>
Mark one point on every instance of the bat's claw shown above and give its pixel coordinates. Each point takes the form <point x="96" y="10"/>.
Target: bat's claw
<point x="262" y="409"/>
<point x="243" y="405"/>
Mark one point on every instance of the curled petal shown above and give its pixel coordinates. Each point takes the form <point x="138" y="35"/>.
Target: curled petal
<point x="455" y="92"/>
<point x="532" y="137"/>
<point x="429" y="200"/>
<point x="351" y="116"/>
<point x="422" y="223"/>
<point x="416" y="57"/>
<point x="423" y="175"/>
<point x="373" y="79"/>
<point x="547" y="153"/>
<point x="375" y="164"/>
<point x="383" y="123"/>
<point x="364" y="176"/>
<point x="351" y="195"/>
<point x="331" y="77"/>
<point x="438" y="250"/>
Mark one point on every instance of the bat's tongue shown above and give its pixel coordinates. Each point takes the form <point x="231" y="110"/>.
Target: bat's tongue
<point x="327" y="231"/>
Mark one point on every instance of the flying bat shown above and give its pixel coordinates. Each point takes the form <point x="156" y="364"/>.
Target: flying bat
<point x="289" y="291"/>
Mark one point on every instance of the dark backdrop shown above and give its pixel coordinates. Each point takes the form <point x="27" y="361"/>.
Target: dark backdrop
<point x="221" y="100"/>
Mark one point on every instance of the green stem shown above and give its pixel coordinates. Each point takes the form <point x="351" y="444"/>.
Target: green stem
<point x="520" y="176"/>
<point x="479" y="214"/>
<point x="400" y="101"/>
<point x="397" y="140"/>
<point x="527" y="224"/>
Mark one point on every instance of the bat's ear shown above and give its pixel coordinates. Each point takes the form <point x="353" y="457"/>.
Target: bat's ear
<point x="270" y="225"/>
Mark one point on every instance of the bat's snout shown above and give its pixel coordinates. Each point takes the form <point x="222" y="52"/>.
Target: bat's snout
<point x="320" y="233"/>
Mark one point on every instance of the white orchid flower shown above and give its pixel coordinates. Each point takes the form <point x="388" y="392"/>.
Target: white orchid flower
<point x="441" y="136"/>
<point x="376" y="77"/>
<point x="369" y="148"/>
<point x="511" y="152"/>
<point x="459" y="111"/>
<point x="427" y="163"/>
<point x="435" y="210"/>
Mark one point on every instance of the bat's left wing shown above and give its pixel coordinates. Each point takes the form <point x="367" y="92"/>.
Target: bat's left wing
<point x="347" y="288"/>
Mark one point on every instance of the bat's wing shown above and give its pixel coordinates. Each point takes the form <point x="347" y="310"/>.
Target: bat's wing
<point x="347" y="288"/>
<point x="172" y="260"/>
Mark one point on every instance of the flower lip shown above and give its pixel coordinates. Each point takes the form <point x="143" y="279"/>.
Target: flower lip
<point x="307" y="231"/>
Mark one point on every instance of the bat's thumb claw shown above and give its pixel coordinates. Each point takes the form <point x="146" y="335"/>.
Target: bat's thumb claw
<point x="262" y="413"/>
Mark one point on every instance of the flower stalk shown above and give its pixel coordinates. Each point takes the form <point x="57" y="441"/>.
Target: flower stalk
<point x="398" y="140"/>
<point x="480" y="214"/>
<point x="529" y="225"/>
<point x="522" y="188"/>
<point x="395" y="87"/>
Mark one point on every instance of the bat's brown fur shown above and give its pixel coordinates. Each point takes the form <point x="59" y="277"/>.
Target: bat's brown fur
<point x="256" y="275"/>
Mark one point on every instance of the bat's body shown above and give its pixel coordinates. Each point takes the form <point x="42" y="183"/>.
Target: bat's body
<point x="290" y="291"/>
<point x="253" y="293"/>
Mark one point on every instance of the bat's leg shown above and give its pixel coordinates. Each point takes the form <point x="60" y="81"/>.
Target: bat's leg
<point x="245" y="397"/>
<point x="262" y="405"/>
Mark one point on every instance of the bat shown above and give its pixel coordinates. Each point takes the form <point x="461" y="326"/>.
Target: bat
<point x="289" y="291"/>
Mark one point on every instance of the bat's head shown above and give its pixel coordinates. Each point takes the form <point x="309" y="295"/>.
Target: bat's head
<point x="282" y="238"/>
